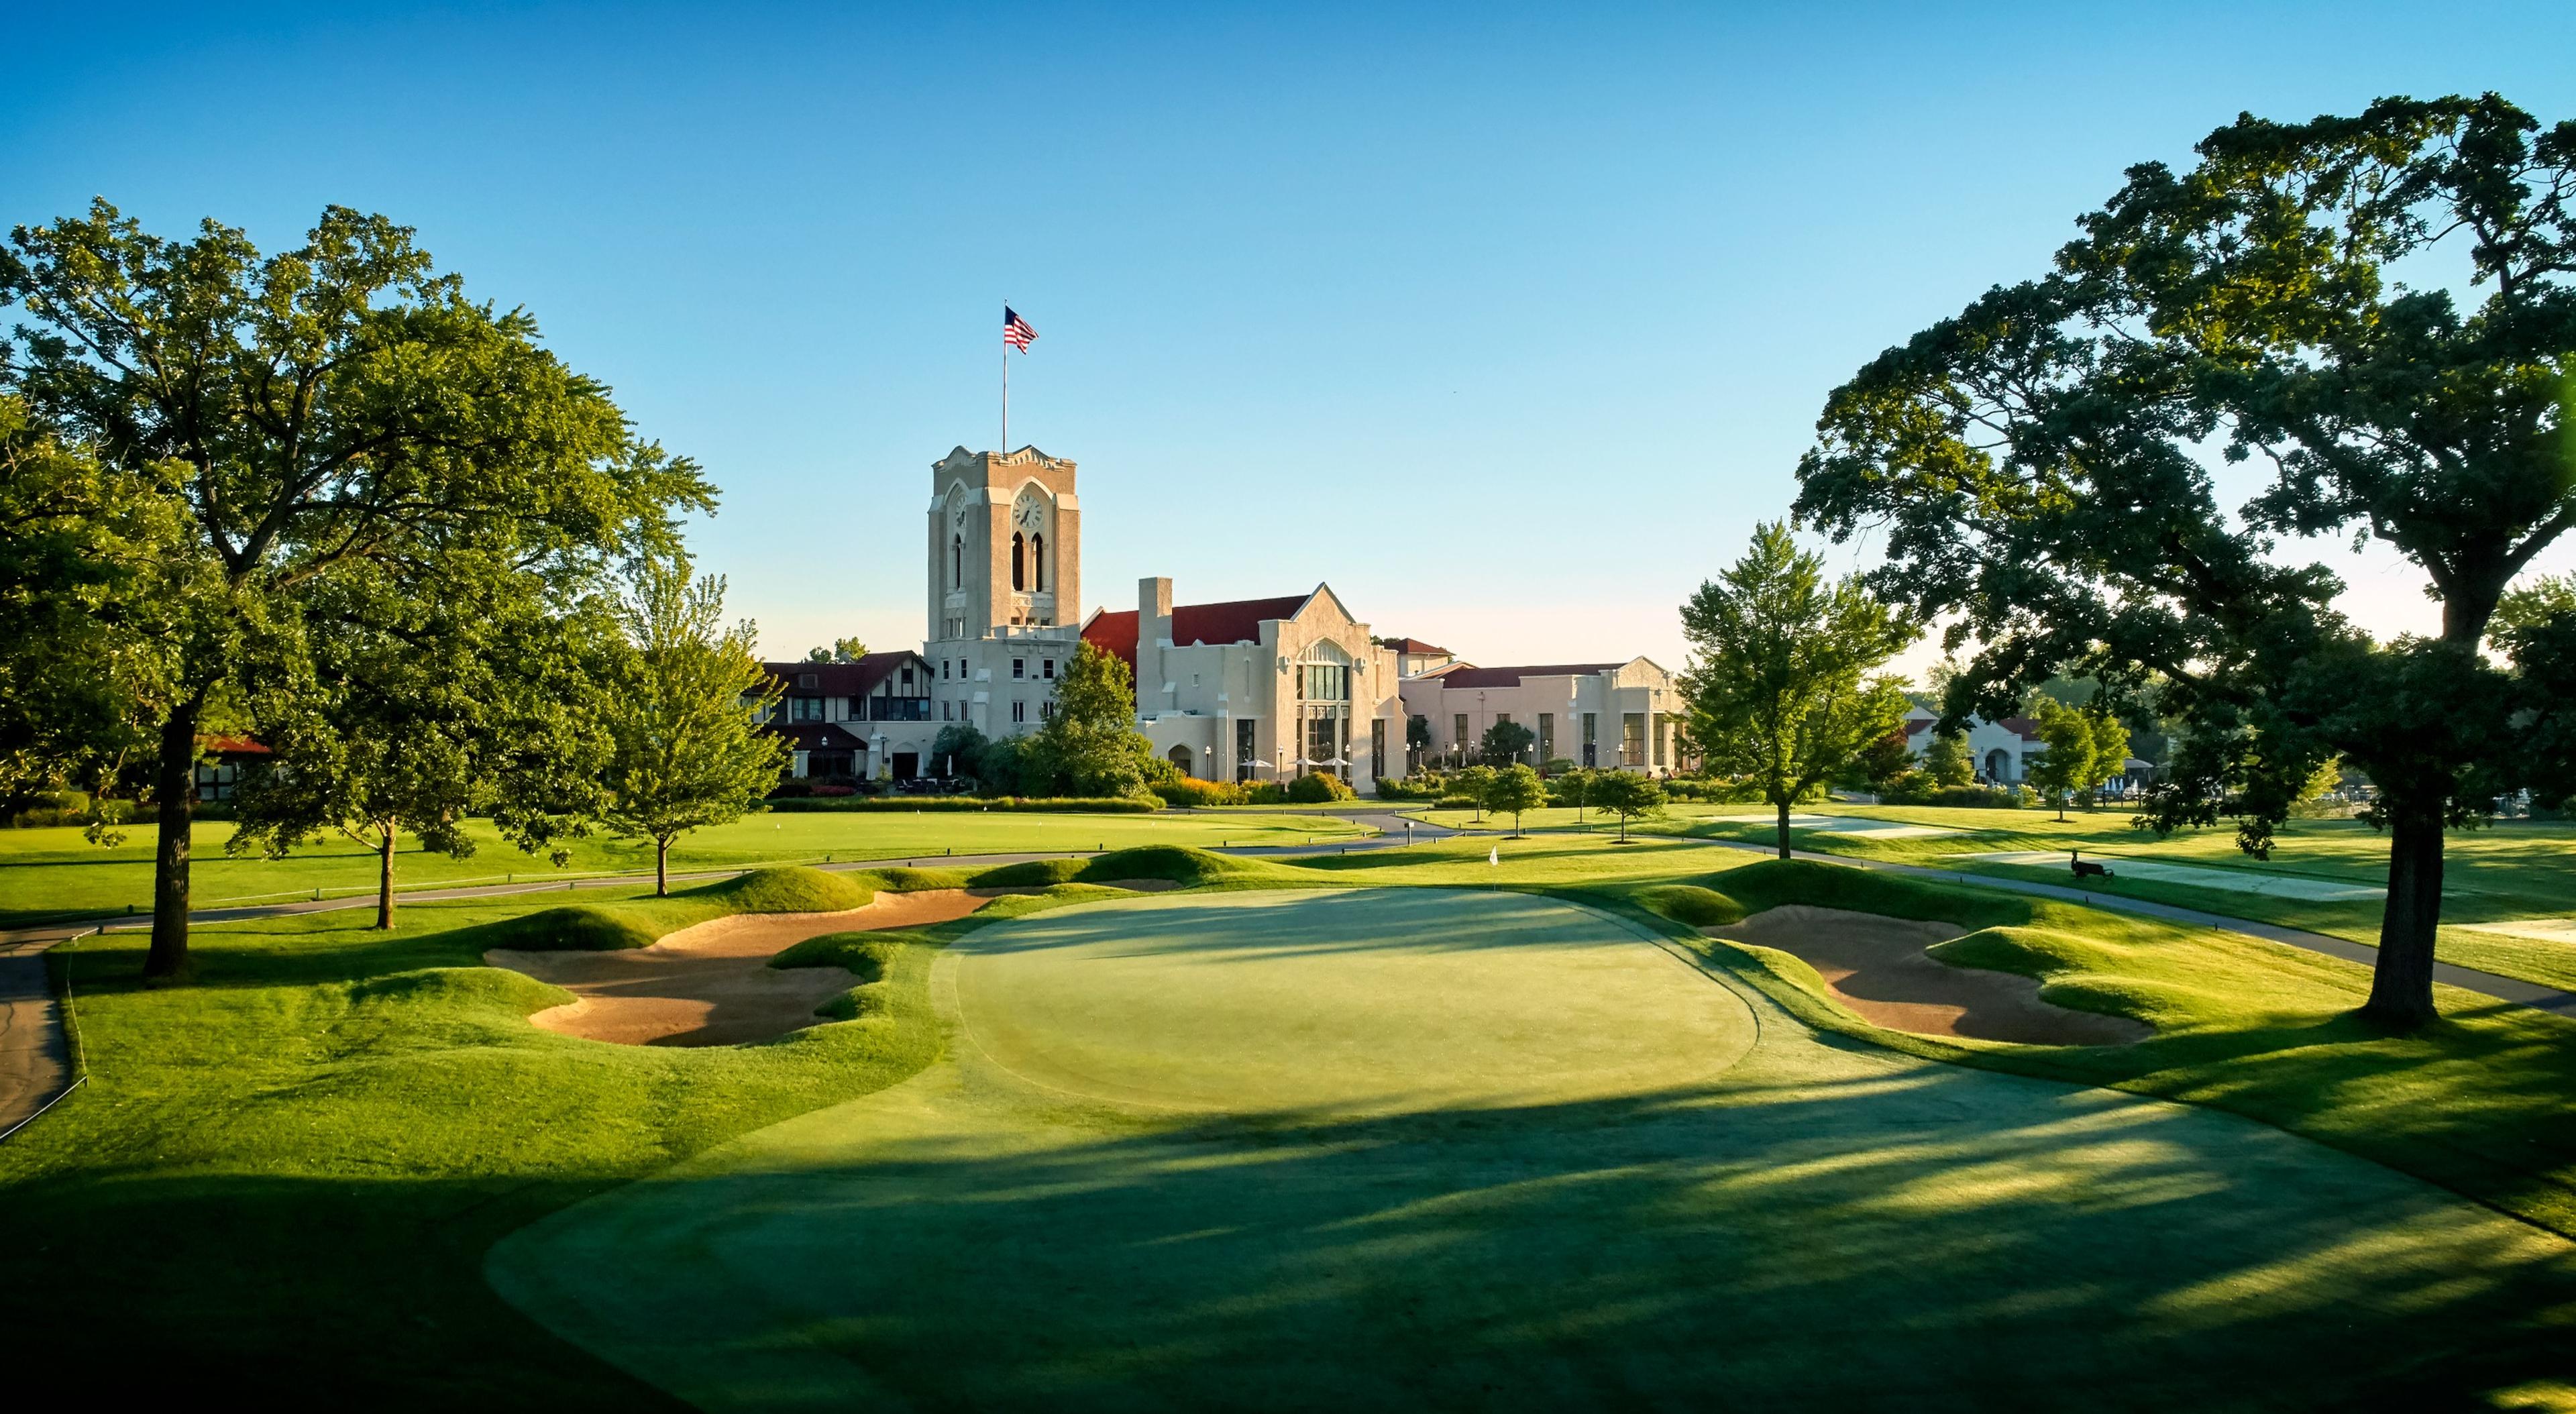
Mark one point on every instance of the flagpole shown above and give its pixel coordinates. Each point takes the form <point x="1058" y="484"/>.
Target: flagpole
<point x="1006" y="382"/>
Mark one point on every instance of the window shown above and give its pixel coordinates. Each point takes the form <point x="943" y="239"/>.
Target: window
<point x="1037" y="562"/>
<point x="1046" y="668"/>
<point x="1503" y="718"/>
<point x="1046" y="709"/>
<point x="1019" y="668"/>
<point x="957" y="563"/>
<point x="1458" y="729"/>
<point x="1325" y="682"/>
<point x="907" y="676"/>
<point x="809" y="679"/>
<point x="1019" y="553"/>
<point x="1243" y="748"/>
<point x="944" y="706"/>
<point x="804" y="709"/>
<point x="1591" y="737"/>
<point x="1019" y="710"/>
<point x="1546" y="737"/>
<point x="1660" y="721"/>
<point x="1377" y="746"/>
<point x="943" y="670"/>
<point x="1632" y="738"/>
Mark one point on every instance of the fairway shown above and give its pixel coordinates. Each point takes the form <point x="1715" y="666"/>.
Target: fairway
<point x="53" y="872"/>
<point x="1404" y="1147"/>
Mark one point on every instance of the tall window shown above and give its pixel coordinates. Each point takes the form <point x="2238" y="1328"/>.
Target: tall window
<point x="1019" y="711"/>
<point x="1037" y="562"/>
<point x="1325" y="682"/>
<point x="957" y="562"/>
<point x="1660" y="724"/>
<point x="1632" y="738"/>
<point x="1591" y="737"/>
<point x="1546" y="737"/>
<point x="1019" y="548"/>
<point x="1458" y="729"/>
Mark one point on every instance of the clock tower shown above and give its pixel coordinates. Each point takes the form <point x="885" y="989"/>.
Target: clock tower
<point x="1005" y="583"/>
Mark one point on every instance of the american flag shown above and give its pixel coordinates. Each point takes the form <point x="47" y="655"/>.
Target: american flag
<point x="1016" y="331"/>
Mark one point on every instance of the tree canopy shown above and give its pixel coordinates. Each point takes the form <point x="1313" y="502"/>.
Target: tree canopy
<point x="682" y="712"/>
<point x="1504" y="743"/>
<point x="327" y="413"/>
<point x="1515" y="790"/>
<point x="2086" y="747"/>
<point x="2372" y="315"/>
<point x="1780" y="685"/>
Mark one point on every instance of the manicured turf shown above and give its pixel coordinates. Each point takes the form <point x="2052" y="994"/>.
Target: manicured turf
<point x="287" y="1172"/>
<point x="48" y="873"/>
<point x="1244" y="1151"/>
<point x="2505" y="871"/>
<point x="292" y="1169"/>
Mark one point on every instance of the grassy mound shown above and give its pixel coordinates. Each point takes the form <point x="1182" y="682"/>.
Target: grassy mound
<point x="1691" y="905"/>
<point x="635" y="923"/>
<point x="903" y="879"/>
<point x="1775" y="882"/>
<point x="1181" y="864"/>
<point x="2081" y="974"/>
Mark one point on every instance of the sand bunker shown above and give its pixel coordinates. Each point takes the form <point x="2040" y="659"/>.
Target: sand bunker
<point x="1877" y="966"/>
<point x="712" y="985"/>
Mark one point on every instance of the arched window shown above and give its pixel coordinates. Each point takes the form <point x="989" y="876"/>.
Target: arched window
<point x="1019" y="580"/>
<point x="1037" y="562"/>
<point x="957" y="562"/>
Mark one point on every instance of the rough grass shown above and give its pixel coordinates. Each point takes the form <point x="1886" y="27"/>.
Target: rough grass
<point x="2477" y="1102"/>
<point x="640" y="922"/>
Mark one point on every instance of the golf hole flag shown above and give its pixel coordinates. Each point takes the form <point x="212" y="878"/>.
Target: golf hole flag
<point x="1016" y="331"/>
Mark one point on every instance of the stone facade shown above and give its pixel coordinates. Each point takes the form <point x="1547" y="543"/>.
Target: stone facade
<point x="1005" y="586"/>
<point x="1259" y="689"/>
<point x="1618" y="716"/>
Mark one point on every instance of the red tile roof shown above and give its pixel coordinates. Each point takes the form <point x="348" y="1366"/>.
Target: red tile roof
<point x="1411" y="645"/>
<point x="1236" y="621"/>
<point x="236" y="746"/>
<point x="1511" y="677"/>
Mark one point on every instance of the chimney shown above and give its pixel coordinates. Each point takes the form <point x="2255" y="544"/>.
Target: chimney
<point x="1153" y="612"/>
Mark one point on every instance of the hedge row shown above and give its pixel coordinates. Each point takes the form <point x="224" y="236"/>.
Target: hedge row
<point x="1094" y="805"/>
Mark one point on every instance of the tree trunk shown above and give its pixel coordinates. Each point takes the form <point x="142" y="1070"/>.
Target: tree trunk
<point x="662" y="867"/>
<point x="1784" y="827"/>
<point x="385" y="880"/>
<point x="2401" y="985"/>
<point x="174" y="793"/>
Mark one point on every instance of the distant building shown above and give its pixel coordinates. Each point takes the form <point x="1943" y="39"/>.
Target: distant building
<point x="1608" y="715"/>
<point x="2001" y="751"/>
<point x="1413" y="657"/>
<point x="862" y="721"/>
<point x="1259" y="689"/>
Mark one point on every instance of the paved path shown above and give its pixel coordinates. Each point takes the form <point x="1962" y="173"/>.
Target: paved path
<point x="35" y="1060"/>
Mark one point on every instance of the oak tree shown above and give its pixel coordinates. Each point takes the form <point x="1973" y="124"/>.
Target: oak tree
<point x="2372" y="316"/>
<point x="337" y="404"/>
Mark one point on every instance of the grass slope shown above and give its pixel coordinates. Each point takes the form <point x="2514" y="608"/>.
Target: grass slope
<point x="640" y="922"/>
<point x="2479" y="1102"/>
<point x="292" y="1166"/>
<point x="2502" y="872"/>
<point x="1425" y="1148"/>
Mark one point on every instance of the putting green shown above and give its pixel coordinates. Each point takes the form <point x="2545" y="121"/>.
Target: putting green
<point x="1397" y="1148"/>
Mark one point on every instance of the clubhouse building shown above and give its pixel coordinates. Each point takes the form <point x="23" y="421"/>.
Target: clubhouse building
<point x="1244" y="690"/>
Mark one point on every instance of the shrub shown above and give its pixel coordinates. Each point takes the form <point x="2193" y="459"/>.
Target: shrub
<point x="1458" y="802"/>
<point x="1187" y="792"/>
<point x="1319" y="788"/>
<point x="791" y="790"/>
<point x="1265" y="793"/>
<point x="1110" y="805"/>
<point x="1421" y="785"/>
<point x="836" y="791"/>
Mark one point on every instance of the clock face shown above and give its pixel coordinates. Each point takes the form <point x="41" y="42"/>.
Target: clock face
<point x="1031" y="515"/>
<point x="957" y="518"/>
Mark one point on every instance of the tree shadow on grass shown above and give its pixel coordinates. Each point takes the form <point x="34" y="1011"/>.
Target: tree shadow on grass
<point x="1925" y="1239"/>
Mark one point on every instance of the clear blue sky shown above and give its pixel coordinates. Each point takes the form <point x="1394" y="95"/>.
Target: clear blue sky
<point x="1507" y="322"/>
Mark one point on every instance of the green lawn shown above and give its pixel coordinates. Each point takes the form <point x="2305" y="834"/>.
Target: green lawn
<point x="2506" y="871"/>
<point x="50" y="873"/>
<point x="1501" y="1127"/>
<point x="1416" y="1148"/>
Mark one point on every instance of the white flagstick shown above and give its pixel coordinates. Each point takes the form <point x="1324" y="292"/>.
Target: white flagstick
<point x="1006" y="377"/>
